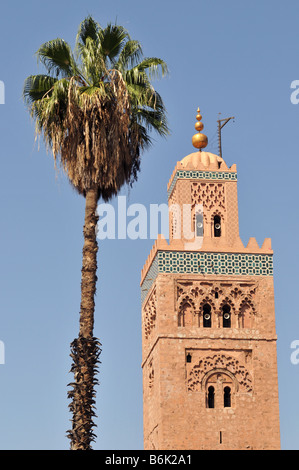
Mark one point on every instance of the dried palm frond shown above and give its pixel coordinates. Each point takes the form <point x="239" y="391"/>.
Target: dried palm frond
<point x="96" y="108"/>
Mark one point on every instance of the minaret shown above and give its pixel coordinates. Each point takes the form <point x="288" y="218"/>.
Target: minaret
<point x="208" y="322"/>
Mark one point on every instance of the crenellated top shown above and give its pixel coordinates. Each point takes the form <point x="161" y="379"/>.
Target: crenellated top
<point x="251" y="261"/>
<point x="204" y="223"/>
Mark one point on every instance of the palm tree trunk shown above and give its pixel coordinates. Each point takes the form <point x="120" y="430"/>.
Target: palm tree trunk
<point x="89" y="265"/>
<point x="85" y="350"/>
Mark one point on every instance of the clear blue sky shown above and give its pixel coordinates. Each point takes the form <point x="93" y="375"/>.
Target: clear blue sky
<point x="234" y="58"/>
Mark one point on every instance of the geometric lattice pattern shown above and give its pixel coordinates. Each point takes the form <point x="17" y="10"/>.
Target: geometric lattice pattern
<point x="215" y="263"/>
<point x="208" y="175"/>
<point x="208" y="194"/>
<point x="195" y="262"/>
<point x="216" y="362"/>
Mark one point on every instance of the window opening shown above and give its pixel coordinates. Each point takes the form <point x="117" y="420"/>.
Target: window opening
<point x="207" y="316"/>
<point x="211" y="397"/>
<point x="217" y="226"/>
<point x="226" y="316"/>
<point x="199" y="224"/>
<point x="227" y="397"/>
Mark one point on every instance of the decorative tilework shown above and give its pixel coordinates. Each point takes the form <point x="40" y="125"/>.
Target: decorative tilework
<point x="195" y="262"/>
<point x="149" y="278"/>
<point x="207" y="175"/>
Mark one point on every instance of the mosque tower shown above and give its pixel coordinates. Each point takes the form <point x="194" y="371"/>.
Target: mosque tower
<point x="208" y="320"/>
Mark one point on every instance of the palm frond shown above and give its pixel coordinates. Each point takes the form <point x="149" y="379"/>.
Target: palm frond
<point x="153" y="120"/>
<point x="129" y="56"/>
<point x="88" y="29"/>
<point x="154" y="67"/>
<point x="93" y="64"/>
<point x="140" y="133"/>
<point x="97" y="114"/>
<point x="36" y="87"/>
<point x="113" y="39"/>
<point x="57" y="57"/>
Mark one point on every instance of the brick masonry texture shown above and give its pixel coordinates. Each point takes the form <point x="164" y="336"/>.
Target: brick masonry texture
<point x="209" y="382"/>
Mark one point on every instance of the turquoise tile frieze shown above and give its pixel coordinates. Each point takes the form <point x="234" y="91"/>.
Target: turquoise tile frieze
<point x="215" y="263"/>
<point x="206" y="175"/>
<point x="194" y="262"/>
<point x="149" y="278"/>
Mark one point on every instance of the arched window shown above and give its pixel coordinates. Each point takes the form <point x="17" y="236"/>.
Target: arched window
<point x="185" y="315"/>
<point x="217" y="226"/>
<point x="245" y="316"/>
<point x="226" y="316"/>
<point x="227" y="397"/>
<point x="207" y="318"/>
<point x="211" y="397"/>
<point x="199" y="224"/>
<point x="219" y="386"/>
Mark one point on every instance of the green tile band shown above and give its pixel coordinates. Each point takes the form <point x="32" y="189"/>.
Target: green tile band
<point x="195" y="262"/>
<point x="206" y="175"/>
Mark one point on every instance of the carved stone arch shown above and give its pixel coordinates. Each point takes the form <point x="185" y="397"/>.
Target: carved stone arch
<point x="220" y="387"/>
<point x="233" y="312"/>
<point x="227" y="301"/>
<point x="212" y="372"/>
<point x="217" y="212"/>
<point x="191" y="292"/>
<point x="246" y="313"/>
<point x="216" y="290"/>
<point x="220" y="214"/>
<point x="204" y="215"/>
<point x="236" y="293"/>
<point x="207" y="301"/>
<point x="196" y="293"/>
<point x="184" y="299"/>
<point x="248" y="300"/>
<point x="218" y="361"/>
<point x="186" y="311"/>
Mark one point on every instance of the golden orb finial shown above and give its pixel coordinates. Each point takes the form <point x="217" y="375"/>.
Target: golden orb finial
<point x="199" y="141"/>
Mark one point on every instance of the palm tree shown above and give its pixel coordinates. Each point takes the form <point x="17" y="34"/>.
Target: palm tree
<point x="95" y="108"/>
